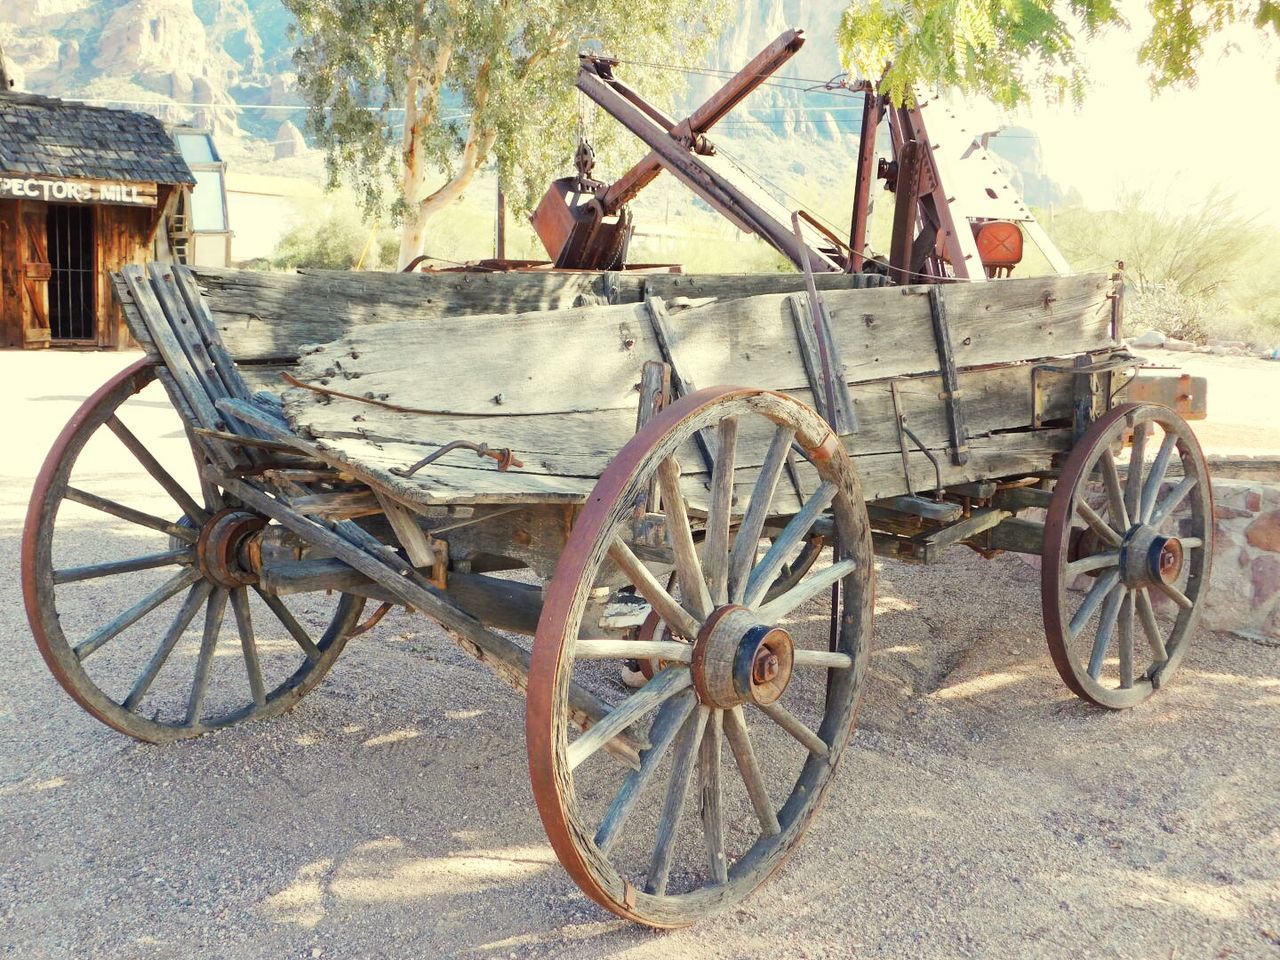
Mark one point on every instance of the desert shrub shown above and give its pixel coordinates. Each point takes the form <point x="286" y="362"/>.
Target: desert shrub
<point x="1165" y="308"/>
<point x="336" y="241"/>
<point x="1205" y="272"/>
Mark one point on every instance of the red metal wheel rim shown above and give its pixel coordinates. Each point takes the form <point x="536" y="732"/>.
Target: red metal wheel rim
<point x="552" y="791"/>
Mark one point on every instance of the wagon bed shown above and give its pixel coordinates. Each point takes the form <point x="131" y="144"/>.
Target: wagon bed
<point x="559" y="387"/>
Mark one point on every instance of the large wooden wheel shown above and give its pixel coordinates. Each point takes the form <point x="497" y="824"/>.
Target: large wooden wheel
<point x="776" y="675"/>
<point x="1140" y="546"/>
<point x="133" y="623"/>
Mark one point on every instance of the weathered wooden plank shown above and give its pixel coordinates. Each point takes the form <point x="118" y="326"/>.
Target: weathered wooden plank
<point x="552" y="362"/>
<point x="880" y="334"/>
<point x="733" y="286"/>
<point x="1000" y="455"/>
<point x="185" y="282"/>
<point x="581" y="445"/>
<point x="267" y="316"/>
<point x="888" y="332"/>
<point x="170" y="349"/>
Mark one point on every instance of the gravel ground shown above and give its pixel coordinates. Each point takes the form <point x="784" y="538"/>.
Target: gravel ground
<point x="981" y="811"/>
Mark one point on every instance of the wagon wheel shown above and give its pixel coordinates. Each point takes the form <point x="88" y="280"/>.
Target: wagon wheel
<point x="1141" y="547"/>
<point x="772" y="677"/>
<point x="101" y="625"/>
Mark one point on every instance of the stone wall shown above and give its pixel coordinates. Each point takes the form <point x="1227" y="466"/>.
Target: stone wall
<point x="1244" y="594"/>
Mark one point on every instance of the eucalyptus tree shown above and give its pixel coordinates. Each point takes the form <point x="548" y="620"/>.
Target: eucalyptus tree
<point x="411" y="98"/>
<point x="1003" y="49"/>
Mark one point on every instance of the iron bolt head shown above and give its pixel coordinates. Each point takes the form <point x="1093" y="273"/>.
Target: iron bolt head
<point x="766" y="667"/>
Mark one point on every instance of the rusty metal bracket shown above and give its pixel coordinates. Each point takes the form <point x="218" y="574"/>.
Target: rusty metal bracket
<point x="1089" y="400"/>
<point x="950" y="379"/>
<point x="905" y="432"/>
<point x="813" y="332"/>
<point x="1183" y="393"/>
<point x="505" y="458"/>
<point x="681" y="385"/>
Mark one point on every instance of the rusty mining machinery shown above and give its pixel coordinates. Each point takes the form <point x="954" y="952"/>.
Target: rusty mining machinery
<point x="956" y="216"/>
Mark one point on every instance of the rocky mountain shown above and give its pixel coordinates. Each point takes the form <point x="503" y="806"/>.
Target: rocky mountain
<point x="195" y="61"/>
<point x="226" y="65"/>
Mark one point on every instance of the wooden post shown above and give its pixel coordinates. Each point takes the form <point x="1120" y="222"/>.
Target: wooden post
<point x="500" y="228"/>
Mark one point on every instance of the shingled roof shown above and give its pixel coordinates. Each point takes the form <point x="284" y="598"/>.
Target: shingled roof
<point x="42" y="136"/>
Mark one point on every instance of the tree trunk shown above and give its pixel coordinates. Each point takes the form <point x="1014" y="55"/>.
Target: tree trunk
<point x="480" y="141"/>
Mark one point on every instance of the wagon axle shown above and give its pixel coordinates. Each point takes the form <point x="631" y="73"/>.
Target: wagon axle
<point x="229" y="548"/>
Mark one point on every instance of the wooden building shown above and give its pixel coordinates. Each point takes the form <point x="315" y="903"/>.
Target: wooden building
<point x="83" y="191"/>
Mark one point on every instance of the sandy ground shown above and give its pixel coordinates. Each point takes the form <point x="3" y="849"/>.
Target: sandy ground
<point x="981" y="811"/>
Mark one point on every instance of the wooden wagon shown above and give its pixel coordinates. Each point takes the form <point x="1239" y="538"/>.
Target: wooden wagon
<point x="556" y="456"/>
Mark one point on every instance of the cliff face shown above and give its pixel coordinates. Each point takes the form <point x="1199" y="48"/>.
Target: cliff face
<point x="198" y="58"/>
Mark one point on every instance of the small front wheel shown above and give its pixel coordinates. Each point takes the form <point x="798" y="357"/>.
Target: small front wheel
<point x="1141" y="546"/>
<point x="760" y="675"/>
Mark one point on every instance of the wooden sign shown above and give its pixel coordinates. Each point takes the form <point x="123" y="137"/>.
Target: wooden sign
<point x="74" y="190"/>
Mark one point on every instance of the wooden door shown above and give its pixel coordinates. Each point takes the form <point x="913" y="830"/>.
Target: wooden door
<point x="36" y="271"/>
<point x="11" y="295"/>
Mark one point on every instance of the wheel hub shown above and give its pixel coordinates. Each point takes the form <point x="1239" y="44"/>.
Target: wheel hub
<point x="737" y="659"/>
<point x="1148" y="557"/>
<point x="226" y="549"/>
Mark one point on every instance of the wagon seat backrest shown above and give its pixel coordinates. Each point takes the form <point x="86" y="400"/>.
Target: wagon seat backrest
<point x="166" y="313"/>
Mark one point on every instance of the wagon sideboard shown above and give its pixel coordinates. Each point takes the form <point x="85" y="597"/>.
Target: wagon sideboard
<point x="560" y="387"/>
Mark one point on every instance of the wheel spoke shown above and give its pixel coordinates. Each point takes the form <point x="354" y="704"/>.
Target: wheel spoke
<point x="208" y="642"/>
<point x="821" y="658"/>
<point x="1115" y="499"/>
<point x="1174" y="594"/>
<point x="197" y="596"/>
<point x="1151" y="490"/>
<point x="648" y="587"/>
<point x="244" y="626"/>
<point x="653" y="694"/>
<point x="171" y="587"/>
<point x="682" y="764"/>
<point x="712" y="796"/>
<point x="1151" y="628"/>
<point x="159" y="473"/>
<point x="806" y="590"/>
<point x="743" y="554"/>
<point x="129" y="513"/>
<point x="620" y="649"/>
<point x="276" y="606"/>
<point x="1191" y="543"/>
<point x="735" y="731"/>
<point x="1126" y="641"/>
<point x="1133" y="482"/>
<point x="693" y="587"/>
<point x="115" y="567"/>
<point x="1171" y="502"/>
<point x="671" y="716"/>
<point x="1095" y="596"/>
<point x="790" y="723"/>
<point x="1097" y="524"/>
<point x="767" y="569"/>
<point x="1099" y="561"/>
<point x="715" y="551"/>
<point x="1106" y="627"/>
